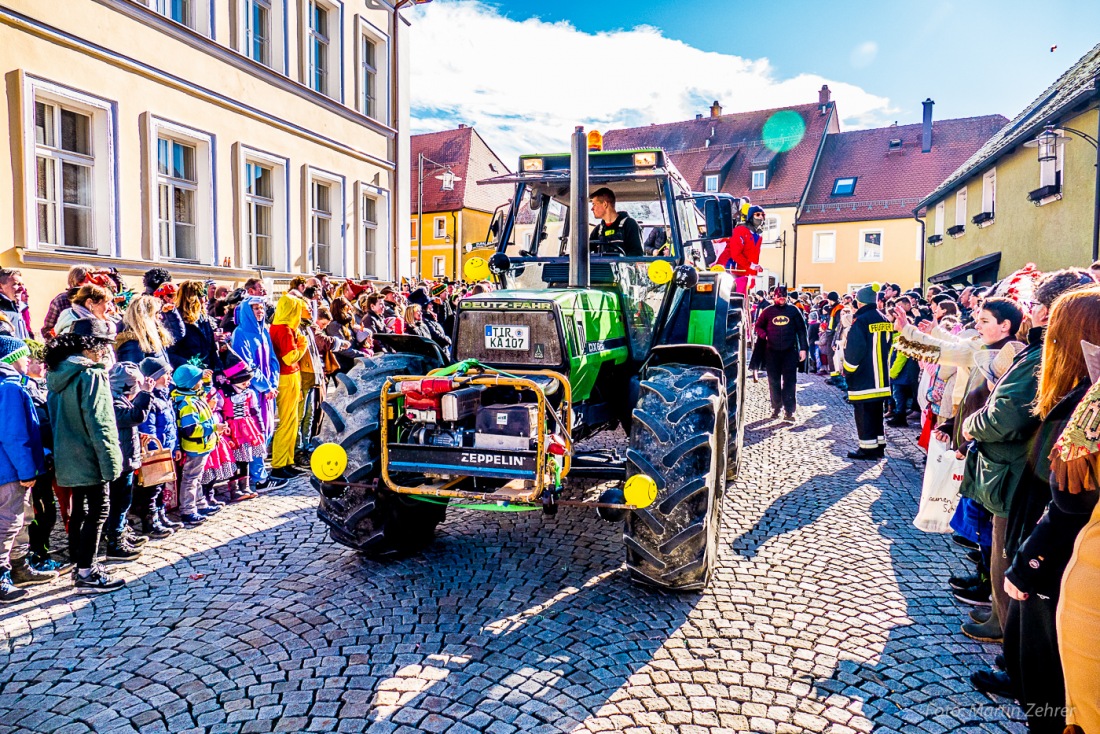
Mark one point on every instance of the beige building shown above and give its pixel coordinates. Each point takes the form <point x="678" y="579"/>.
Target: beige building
<point x="1015" y="201"/>
<point x="220" y="140"/>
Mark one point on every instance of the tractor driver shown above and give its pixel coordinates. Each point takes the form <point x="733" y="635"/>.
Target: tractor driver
<point x="615" y="233"/>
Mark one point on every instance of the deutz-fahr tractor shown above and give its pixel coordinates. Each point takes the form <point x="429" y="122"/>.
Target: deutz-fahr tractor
<point x="575" y="339"/>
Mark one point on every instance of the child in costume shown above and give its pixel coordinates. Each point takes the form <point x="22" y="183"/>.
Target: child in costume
<point x="241" y="413"/>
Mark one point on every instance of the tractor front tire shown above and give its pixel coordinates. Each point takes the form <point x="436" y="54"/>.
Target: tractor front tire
<point x="680" y="440"/>
<point x="368" y="517"/>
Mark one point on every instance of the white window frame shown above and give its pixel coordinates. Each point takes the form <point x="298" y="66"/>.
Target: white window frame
<point x="280" y="209"/>
<point x="439" y="266"/>
<point x="439" y="228"/>
<point x="366" y="31"/>
<point x="276" y="38"/>
<point x="819" y="286"/>
<point x="960" y="207"/>
<point x="940" y="213"/>
<point x="881" y="247"/>
<point x="710" y="183"/>
<point x="103" y="144"/>
<point x="334" y="48"/>
<point x="989" y="191"/>
<point x="772" y="222"/>
<point x="198" y="15"/>
<point x="762" y="182"/>
<point x="836" y="185"/>
<point x="380" y="229"/>
<point x="817" y="246"/>
<point x="338" y="261"/>
<point x="205" y="188"/>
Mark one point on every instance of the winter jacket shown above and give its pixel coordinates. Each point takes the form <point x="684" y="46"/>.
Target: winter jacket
<point x="1045" y="544"/>
<point x="197" y="346"/>
<point x="128" y="348"/>
<point x="21" y="454"/>
<point x="160" y="423"/>
<point x="866" y="351"/>
<point x="83" y="418"/>
<point x="194" y="422"/>
<point x="903" y="371"/>
<point x="129" y="414"/>
<point x="783" y="327"/>
<point x="741" y="252"/>
<point x="37" y="389"/>
<point x="11" y="319"/>
<point x="1004" y="428"/>
<point x="252" y="342"/>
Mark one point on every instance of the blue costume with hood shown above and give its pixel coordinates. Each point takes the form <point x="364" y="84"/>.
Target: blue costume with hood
<point x="252" y="342"/>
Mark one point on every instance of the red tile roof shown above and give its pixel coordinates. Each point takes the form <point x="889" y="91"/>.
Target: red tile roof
<point x="694" y="145"/>
<point x="890" y="183"/>
<point x="471" y="160"/>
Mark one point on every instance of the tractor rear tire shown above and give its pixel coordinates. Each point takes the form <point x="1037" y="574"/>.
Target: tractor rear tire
<point x="368" y="517"/>
<point x="680" y="440"/>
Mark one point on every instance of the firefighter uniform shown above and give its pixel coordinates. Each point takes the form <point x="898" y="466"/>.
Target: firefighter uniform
<point x="866" y="366"/>
<point x="784" y="330"/>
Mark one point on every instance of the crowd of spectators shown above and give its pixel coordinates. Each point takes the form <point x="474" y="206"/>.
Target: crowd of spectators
<point x="1005" y="378"/>
<point x="169" y="401"/>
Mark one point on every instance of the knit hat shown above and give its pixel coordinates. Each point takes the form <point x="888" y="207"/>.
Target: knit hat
<point x="187" y="376"/>
<point x="123" y="376"/>
<point x="439" y="289"/>
<point x="419" y="297"/>
<point x="154" y="367"/>
<point x="833" y="296"/>
<point x="868" y="294"/>
<point x="12" y="349"/>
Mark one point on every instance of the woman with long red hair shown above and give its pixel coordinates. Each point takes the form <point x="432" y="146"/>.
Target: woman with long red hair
<point x="1035" y="578"/>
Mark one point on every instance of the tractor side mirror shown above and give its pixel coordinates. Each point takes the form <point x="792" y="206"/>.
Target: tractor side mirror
<point x="719" y="217"/>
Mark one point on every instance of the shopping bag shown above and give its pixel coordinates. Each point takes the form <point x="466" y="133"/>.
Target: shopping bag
<point x="928" y="420"/>
<point x="940" y="492"/>
<point x="157" y="466"/>
<point x="170" y="496"/>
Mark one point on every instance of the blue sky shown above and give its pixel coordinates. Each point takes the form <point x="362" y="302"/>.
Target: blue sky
<point x="473" y="60"/>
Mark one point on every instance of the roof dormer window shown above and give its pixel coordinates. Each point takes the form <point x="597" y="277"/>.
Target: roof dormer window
<point x="760" y="179"/>
<point x="844" y="186"/>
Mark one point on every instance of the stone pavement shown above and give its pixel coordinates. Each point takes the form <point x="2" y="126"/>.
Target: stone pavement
<point x="828" y="614"/>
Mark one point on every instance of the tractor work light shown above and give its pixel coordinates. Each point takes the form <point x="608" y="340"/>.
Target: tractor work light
<point x="645" y="160"/>
<point x="532" y="164"/>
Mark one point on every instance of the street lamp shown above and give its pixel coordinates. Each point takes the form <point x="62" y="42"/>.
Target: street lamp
<point x="1046" y="145"/>
<point x="448" y="178"/>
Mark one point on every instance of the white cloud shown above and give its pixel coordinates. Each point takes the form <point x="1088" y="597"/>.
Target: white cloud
<point x="864" y="54"/>
<point x="526" y="84"/>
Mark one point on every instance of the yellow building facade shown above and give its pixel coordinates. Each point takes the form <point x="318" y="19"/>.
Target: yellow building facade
<point x="448" y="238"/>
<point x="1054" y="231"/>
<point x="843" y="256"/>
<point x="218" y="140"/>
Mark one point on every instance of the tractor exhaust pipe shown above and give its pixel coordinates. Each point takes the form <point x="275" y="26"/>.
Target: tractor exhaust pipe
<point x="579" y="255"/>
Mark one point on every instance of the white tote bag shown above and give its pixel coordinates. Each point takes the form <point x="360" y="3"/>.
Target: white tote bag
<point x="940" y="492"/>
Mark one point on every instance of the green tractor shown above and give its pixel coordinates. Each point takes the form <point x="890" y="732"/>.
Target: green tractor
<point x="572" y="342"/>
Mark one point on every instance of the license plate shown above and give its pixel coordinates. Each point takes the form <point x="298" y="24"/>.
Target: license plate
<point x="512" y="338"/>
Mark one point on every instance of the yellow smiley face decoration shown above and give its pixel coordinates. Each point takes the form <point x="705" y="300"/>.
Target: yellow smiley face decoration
<point x="476" y="268"/>
<point x="660" y="271"/>
<point x="328" y="462"/>
<point x="717" y="269"/>
<point x="640" y="491"/>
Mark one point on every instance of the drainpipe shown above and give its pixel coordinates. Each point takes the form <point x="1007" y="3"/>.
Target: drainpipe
<point x="457" y="244"/>
<point x="1096" y="201"/>
<point x="923" y="248"/>
<point x="794" y="253"/>
<point x="395" y="123"/>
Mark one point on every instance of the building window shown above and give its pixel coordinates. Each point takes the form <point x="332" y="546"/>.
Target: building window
<point x="320" y="226"/>
<point x="439" y="265"/>
<point x="939" y="219"/>
<point x="844" y="186"/>
<point x="368" y="70"/>
<point x="257" y="33"/>
<point x="870" y="245"/>
<point x="177" y="186"/>
<point x="824" y="247"/>
<point x="771" y="233"/>
<point x="710" y="184"/>
<point x="960" y="207"/>
<point x="412" y="231"/>
<point x="180" y="11"/>
<point x="372" y="70"/>
<point x="989" y="191"/>
<point x="259" y="214"/>
<point x="760" y="179"/>
<point x="440" y="226"/>
<point x="369" y="224"/>
<point x="68" y="166"/>
<point x="318" y="48"/>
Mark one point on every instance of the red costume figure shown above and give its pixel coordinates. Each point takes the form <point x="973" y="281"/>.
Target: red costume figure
<point x="741" y="255"/>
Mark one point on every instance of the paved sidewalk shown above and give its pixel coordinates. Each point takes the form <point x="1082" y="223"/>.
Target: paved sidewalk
<point x="828" y="614"/>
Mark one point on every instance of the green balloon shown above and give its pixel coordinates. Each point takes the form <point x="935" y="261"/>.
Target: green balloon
<point x="784" y="131"/>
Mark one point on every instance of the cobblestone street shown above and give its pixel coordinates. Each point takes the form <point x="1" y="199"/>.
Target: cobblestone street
<point x="828" y="614"/>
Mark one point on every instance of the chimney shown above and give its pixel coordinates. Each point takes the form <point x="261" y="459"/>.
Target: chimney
<point x="698" y="115"/>
<point x="824" y="96"/>
<point x="926" y="128"/>
<point x="462" y="126"/>
<point x="716" y="109"/>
